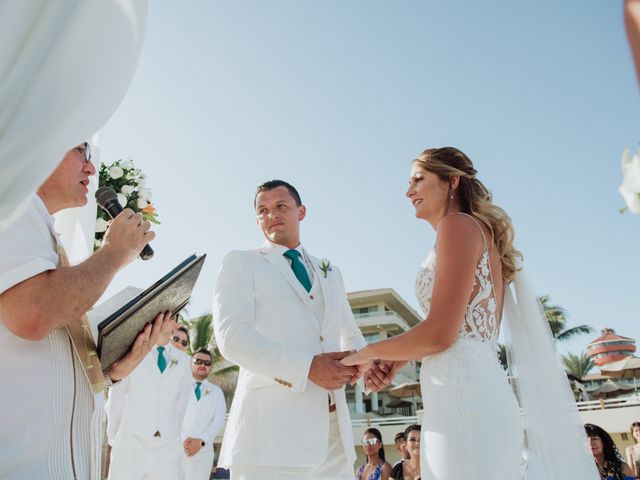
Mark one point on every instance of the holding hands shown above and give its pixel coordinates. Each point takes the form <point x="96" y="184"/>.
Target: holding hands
<point x="378" y="374"/>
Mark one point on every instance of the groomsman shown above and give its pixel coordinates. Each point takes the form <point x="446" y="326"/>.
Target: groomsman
<point x="180" y="338"/>
<point x="145" y="413"/>
<point x="283" y="316"/>
<point x="203" y="421"/>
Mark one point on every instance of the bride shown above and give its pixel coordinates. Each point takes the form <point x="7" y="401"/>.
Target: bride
<point x="472" y="423"/>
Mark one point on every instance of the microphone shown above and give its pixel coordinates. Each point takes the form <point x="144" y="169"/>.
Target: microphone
<point x="108" y="200"/>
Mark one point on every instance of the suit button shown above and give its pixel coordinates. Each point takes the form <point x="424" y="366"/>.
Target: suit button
<point x="311" y="297"/>
<point x="321" y="338"/>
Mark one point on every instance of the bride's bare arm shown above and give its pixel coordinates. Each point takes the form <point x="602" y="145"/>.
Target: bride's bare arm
<point x="458" y="249"/>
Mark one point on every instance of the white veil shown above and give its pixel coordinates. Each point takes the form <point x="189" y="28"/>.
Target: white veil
<point x="555" y="439"/>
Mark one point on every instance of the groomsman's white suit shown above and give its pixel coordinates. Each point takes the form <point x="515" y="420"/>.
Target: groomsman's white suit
<point x="265" y="321"/>
<point x="145" y="413"/>
<point x="204" y="419"/>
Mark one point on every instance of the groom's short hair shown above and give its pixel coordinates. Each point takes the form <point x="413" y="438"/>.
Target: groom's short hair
<point x="271" y="184"/>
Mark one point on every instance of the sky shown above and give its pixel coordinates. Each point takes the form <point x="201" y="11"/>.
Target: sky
<point x="337" y="97"/>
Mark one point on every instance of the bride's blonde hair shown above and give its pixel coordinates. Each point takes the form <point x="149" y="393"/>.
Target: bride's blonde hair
<point x="475" y="200"/>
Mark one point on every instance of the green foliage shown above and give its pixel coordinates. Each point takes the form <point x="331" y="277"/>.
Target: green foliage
<point x="557" y="318"/>
<point x="577" y="365"/>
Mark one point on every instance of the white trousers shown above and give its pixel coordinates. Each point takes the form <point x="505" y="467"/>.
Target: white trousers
<point x="199" y="466"/>
<point x="335" y="466"/>
<point x="136" y="458"/>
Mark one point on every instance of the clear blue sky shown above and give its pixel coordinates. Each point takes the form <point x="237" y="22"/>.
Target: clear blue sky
<point x="338" y="96"/>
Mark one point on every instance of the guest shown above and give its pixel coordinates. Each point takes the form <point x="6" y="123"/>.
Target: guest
<point x="633" y="451"/>
<point x="400" y="441"/>
<point x="376" y="467"/>
<point x="180" y="338"/>
<point x="606" y="454"/>
<point x="203" y="421"/>
<point x="409" y="469"/>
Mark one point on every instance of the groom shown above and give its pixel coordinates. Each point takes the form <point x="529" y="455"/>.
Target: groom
<point x="283" y="316"/>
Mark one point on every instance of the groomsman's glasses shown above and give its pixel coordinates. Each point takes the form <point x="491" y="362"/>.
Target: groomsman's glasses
<point x="177" y="339"/>
<point x="369" y="441"/>
<point x="85" y="149"/>
<point x="206" y="363"/>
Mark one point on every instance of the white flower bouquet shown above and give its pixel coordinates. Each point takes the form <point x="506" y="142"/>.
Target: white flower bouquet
<point x="630" y="188"/>
<point x="129" y="183"/>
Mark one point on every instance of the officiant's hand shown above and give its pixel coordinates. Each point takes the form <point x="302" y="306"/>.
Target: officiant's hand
<point x="127" y="235"/>
<point x="145" y="341"/>
<point x="381" y="373"/>
<point x="327" y="372"/>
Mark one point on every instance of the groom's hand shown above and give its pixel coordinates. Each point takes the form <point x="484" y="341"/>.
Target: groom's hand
<point x="381" y="374"/>
<point x="327" y="372"/>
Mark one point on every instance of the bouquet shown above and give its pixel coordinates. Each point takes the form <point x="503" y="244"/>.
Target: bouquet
<point x="129" y="183"/>
<point x="630" y="188"/>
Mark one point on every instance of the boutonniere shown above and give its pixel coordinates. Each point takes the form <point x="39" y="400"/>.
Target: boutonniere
<point x="207" y="391"/>
<point x="325" y="266"/>
<point x="174" y="361"/>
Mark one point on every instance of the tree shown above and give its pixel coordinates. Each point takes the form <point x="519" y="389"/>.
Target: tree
<point x="577" y="365"/>
<point x="557" y="318"/>
<point x="201" y="335"/>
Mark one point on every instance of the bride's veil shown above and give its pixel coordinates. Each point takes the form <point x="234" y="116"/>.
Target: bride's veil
<point x="555" y="440"/>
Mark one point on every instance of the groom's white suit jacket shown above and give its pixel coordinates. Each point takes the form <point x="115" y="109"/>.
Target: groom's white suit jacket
<point x="266" y="323"/>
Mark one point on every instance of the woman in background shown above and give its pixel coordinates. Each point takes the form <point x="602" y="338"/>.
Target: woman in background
<point x="606" y="454"/>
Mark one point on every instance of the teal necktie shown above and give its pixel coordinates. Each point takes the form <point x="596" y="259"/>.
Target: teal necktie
<point x="198" y="394"/>
<point x="298" y="268"/>
<point x="162" y="362"/>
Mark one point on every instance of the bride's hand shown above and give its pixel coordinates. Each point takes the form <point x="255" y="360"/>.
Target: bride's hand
<point x="361" y="360"/>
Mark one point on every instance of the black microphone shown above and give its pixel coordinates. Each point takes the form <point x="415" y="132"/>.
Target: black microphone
<point x="108" y="200"/>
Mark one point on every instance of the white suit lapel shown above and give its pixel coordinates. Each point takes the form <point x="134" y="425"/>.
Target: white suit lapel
<point x="271" y="255"/>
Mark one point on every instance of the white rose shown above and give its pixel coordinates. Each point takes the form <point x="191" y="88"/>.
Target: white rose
<point x="127" y="190"/>
<point x="141" y="183"/>
<point x="145" y="193"/>
<point x="128" y="163"/>
<point x="630" y="188"/>
<point x="101" y="225"/>
<point x="116" y="172"/>
<point x="122" y="199"/>
<point x="97" y="243"/>
<point x="142" y="203"/>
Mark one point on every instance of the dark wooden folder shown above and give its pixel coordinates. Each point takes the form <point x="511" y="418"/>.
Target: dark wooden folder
<point x="118" y="331"/>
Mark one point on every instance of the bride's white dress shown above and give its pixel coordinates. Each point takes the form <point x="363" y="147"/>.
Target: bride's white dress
<point x="471" y="428"/>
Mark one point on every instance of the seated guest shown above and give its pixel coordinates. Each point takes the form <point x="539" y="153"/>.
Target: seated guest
<point x="606" y="454"/>
<point x="400" y="441"/>
<point x="633" y="451"/>
<point x="180" y="338"/>
<point x="409" y="469"/>
<point x="376" y="467"/>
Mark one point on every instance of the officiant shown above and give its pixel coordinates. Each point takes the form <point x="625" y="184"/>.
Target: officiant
<point x="49" y="368"/>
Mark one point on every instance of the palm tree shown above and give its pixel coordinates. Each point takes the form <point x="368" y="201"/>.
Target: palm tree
<point x="201" y="333"/>
<point x="557" y="318"/>
<point x="577" y="365"/>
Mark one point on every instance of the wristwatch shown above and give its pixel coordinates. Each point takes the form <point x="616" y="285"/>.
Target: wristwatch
<point x="202" y="443"/>
<point x="107" y="379"/>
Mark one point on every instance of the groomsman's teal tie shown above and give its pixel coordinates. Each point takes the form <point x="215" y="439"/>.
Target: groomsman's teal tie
<point x="198" y="394"/>
<point x="162" y="362"/>
<point x="298" y="268"/>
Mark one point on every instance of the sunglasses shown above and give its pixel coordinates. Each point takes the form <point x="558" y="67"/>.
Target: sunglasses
<point x="177" y="339"/>
<point x="206" y="363"/>
<point x="369" y="441"/>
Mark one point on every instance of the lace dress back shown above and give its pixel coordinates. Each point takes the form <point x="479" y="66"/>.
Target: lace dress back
<point x="465" y="392"/>
<point x="481" y="318"/>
